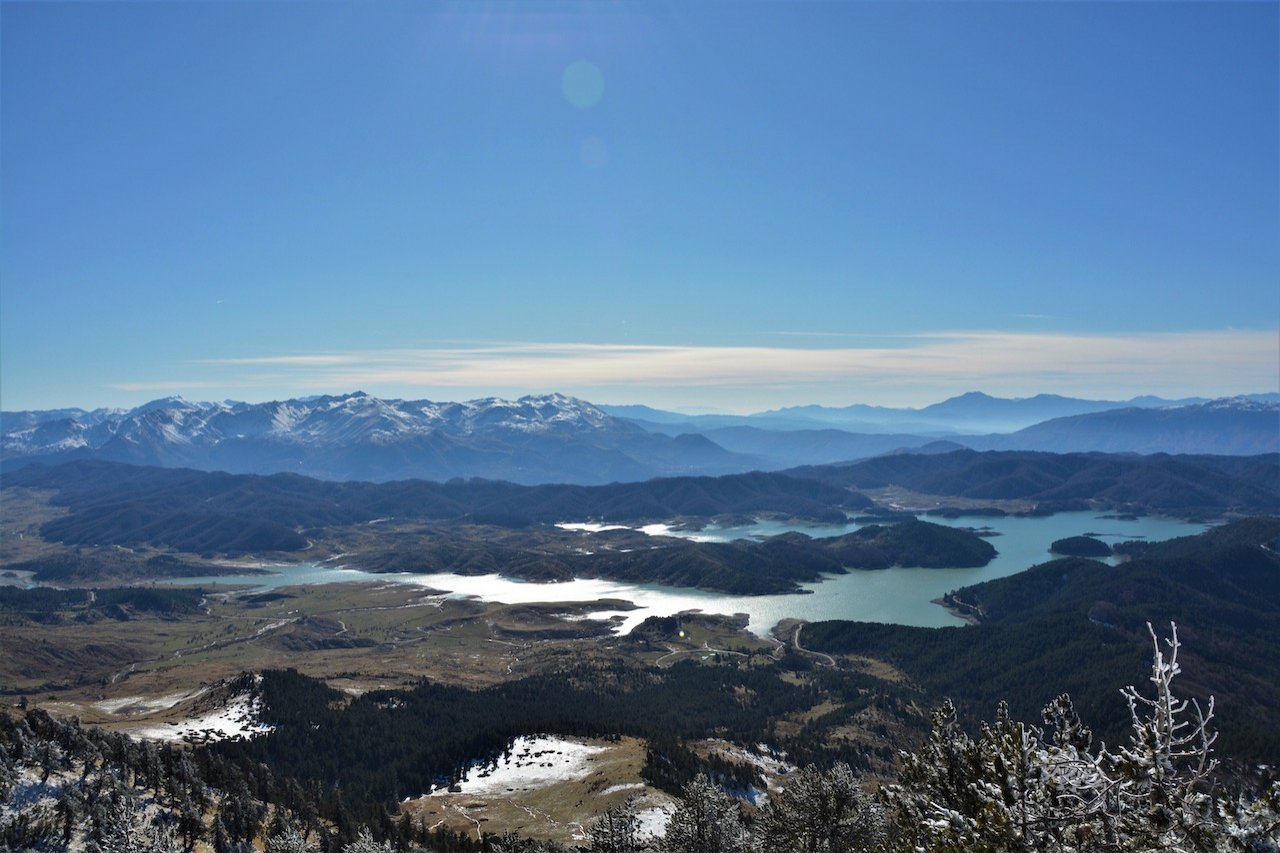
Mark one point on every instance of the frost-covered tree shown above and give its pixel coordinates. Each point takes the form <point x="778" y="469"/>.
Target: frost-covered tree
<point x="159" y="838"/>
<point x="50" y="758"/>
<point x="8" y="775"/>
<point x="1014" y="789"/>
<point x="120" y="826"/>
<point x="364" y="843"/>
<point x="1254" y="826"/>
<point x="113" y="811"/>
<point x="821" y="812"/>
<point x="617" y="831"/>
<point x="221" y="840"/>
<point x="290" y="841"/>
<point x="706" y="820"/>
<point x="1156" y="786"/>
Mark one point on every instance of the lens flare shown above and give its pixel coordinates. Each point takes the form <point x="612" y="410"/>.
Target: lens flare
<point x="582" y="84"/>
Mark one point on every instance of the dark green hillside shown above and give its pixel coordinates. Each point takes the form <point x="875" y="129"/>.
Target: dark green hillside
<point x="1077" y="625"/>
<point x="40" y="603"/>
<point x="1174" y="484"/>
<point x="88" y="565"/>
<point x="386" y="745"/>
<point x="213" y="512"/>
<point x="921" y="543"/>
<point x="1260" y="530"/>
<point x="1080" y="546"/>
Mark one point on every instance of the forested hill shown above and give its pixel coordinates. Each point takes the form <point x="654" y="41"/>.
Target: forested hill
<point x="1175" y="484"/>
<point x="200" y="511"/>
<point x="1075" y="624"/>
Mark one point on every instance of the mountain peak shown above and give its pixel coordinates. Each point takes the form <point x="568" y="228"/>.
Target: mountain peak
<point x="174" y="402"/>
<point x="537" y="438"/>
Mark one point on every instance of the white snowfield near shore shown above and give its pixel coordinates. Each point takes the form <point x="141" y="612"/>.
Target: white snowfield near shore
<point x="535" y="762"/>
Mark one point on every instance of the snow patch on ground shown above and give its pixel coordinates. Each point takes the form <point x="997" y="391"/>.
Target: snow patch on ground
<point x="629" y="786"/>
<point x="653" y="821"/>
<point x="668" y="530"/>
<point x="240" y="718"/>
<point x="535" y="761"/>
<point x="142" y="705"/>
<point x="597" y="615"/>
<point x="771" y="762"/>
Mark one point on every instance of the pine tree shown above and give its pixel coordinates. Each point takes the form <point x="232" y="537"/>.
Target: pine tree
<point x="1254" y="826"/>
<point x="617" y="831"/>
<point x="822" y="812"/>
<point x="706" y="820"/>
<point x="1013" y="789"/>
<point x="290" y="841"/>
<point x="364" y="843"/>
<point x="1157" y="786"/>
<point x="221" y="840"/>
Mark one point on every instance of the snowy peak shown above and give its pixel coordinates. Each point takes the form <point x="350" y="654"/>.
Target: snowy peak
<point x="1238" y="404"/>
<point x="324" y="421"/>
<point x="547" y="413"/>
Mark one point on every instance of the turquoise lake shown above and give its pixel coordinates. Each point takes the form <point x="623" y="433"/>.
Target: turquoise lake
<point x="901" y="595"/>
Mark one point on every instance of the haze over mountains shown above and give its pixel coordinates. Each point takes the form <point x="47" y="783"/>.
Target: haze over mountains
<point x="971" y="413"/>
<point x="555" y="438"/>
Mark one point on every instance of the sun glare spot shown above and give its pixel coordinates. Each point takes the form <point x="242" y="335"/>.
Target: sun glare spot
<point x="582" y="84"/>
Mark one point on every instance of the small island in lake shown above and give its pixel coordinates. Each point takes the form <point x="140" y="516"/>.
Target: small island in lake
<point x="1080" y="546"/>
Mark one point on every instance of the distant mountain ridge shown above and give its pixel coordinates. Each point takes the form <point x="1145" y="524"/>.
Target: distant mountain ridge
<point x="1235" y="425"/>
<point x="554" y="438"/>
<point x="973" y="413"/>
<point x="535" y="439"/>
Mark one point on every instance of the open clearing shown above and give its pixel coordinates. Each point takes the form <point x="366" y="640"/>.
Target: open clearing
<point x="547" y="788"/>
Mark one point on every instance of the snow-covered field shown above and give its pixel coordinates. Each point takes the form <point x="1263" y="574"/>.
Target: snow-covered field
<point x="535" y="761"/>
<point x="238" y="719"/>
<point x="143" y="705"/>
<point x="653" y="821"/>
<point x="550" y="787"/>
<point x="617" y="789"/>
<point x="648" y="529"/>
<point x="668" y="530"/>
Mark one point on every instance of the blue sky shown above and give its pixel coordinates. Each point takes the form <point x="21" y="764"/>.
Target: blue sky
<point x="722" y="205"/>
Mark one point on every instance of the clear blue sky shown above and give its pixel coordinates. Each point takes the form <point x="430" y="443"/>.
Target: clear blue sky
<point x="731" y="205"/>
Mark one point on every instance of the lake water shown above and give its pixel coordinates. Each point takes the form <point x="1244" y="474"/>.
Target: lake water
<point x="899" y="595"/>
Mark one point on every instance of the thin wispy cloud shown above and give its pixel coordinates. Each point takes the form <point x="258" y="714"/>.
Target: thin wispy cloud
<point x="302" y="360"/>
<point x="926" y="365"/>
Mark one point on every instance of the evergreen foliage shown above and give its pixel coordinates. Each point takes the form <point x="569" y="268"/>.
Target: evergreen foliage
<point x="822" y="812"/>
<point x="1080" y="546"/>
<point x="204" y="512"/>
<point x="1016" y="788"/>
<point x="1011" y="787"/>
<point x="1076" y="626"/>
<point x="706" y="820"/>
<point x="1159" y="482"/>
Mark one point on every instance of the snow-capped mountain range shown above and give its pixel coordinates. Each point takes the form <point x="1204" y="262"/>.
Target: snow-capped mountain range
<point x="356" y="436"/>
<point x="556" y="438"/>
